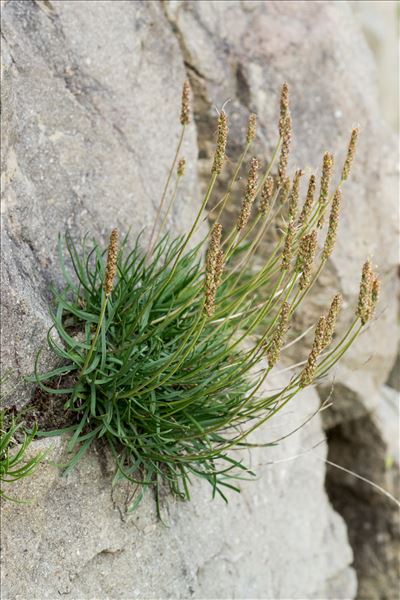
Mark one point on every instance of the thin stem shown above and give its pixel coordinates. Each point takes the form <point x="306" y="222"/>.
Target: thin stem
<point x="158" y="215"/>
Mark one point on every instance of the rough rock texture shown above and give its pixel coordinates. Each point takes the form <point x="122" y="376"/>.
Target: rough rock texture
<point x="239" y="54"/>
<point x="369" y="446"/>
<point x="89" y="110"/>
<point x="83" y="129"/>
<point x="278" y="539"/>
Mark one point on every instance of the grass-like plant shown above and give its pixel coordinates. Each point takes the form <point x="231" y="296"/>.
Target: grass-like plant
<point x="164" y="354"/>
<point x="14" y="444"/>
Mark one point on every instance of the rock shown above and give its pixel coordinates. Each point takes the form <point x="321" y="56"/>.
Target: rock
<point x="90" y="101"/>
<point x="369" y="447"/>
<point x="239" y="58"/>
<point x="278" y="539"/>
<point x="88" y="115"/>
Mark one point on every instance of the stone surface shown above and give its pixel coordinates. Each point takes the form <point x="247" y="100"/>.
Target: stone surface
<point x="238" y="55"/>
<point x="83" y="127"/>
<point x="278" y="539"/>
<point x="368" y="445"/>
<point x="90" y="100"/>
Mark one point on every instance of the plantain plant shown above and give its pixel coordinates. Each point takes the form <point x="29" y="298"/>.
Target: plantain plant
<point x="164" y="354"/>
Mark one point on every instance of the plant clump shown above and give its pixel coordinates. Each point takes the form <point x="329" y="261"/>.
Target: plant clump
<point x="170" y="364"/>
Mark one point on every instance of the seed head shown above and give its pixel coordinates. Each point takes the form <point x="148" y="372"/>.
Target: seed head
<point x="333" y="225"/>
<point x="350" y="154"/>
<point x="250" y="195"/>
<point x="285" y="189"/>
<point x="266" y="195"/>
<point x="284" y="109"/>
<point x="324" y="187"/>
<point x="279" y="335"/>
<point x="285" y="128"/>
<point x="251" y="128"/>
<point x="308" y="374"/>
<point x="222" y="137"/>
<point x="364" y="306"/>
<point x="111" y="266"/>
<point x="294" y="194"/>
<point x="185" y="112"/>
<point x="181" y="167"/>
<point x="308" y="203"/>
<point x="219" y="267"/>
<point x="376" y="290"/>
<point x="288" y="247"/>
<point x="331" y="318"/>
<point x="212" y="262"/>
<point x="305" y="258"/>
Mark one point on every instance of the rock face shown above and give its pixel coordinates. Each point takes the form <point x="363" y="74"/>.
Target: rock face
<point x="90" y="109"/>
<point x="278" y="539"/>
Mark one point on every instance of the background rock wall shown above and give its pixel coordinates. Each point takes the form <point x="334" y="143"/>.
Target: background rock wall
<point x="90" y="102"/>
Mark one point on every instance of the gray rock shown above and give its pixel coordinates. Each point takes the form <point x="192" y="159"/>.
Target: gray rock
<point x="90" y="105"/>
<point x="240" y="55"/>
<point x="89" y="112"/>
<point x="278" y="539"/>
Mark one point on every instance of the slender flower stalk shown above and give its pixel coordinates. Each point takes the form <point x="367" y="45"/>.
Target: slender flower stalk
<point x="111" y="269"/>
<point x="222" y="137"/>
<point x="333" y="225"/>
<point x="326" y="176"/>
<point x="250" y="195"/>
<point x="288" y="247"/>
<point x="184" y="119"/>
<point x="279" y="336"/>
<point x="331" y="319"/>
<point x="308" y="374"/>
<point x="308" y="203"/>
<point x="351" y="150"/>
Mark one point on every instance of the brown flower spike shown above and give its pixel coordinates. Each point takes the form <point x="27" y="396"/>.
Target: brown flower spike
<point x="111" y="267"/>
<point x="222" y="137"/>
<point x="327" y="167"/>
<point x="331" y="318"/>
<point x="364" y="306"/>
<point x="305" y="259"/>
<point x="214" y="265"/>
<point x="333" y="225"/>
<point x="308" y="374"/>
<point x="251" y="128"/>
<point x="181" y="167"/>
<point x="266" y="195"/>
<point x="294" y="194"/>
<point x="250" y="195"/>
<point x="185" y="111"/>
<point x="285" y="133"/>
<point x="308" y="203"/>
<point x="350" y="154"/>
<point x="279" y="335"/>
